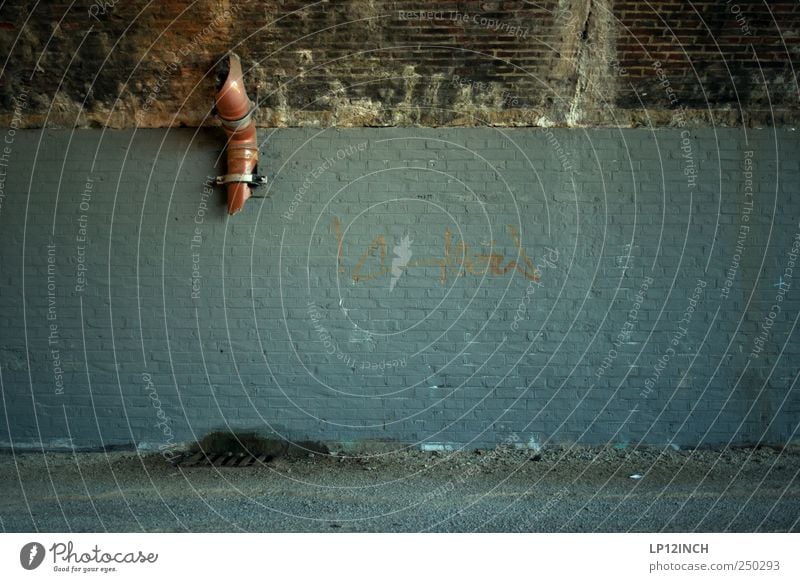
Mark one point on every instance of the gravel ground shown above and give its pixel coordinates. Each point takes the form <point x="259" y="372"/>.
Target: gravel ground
<point x="580" y="490"/>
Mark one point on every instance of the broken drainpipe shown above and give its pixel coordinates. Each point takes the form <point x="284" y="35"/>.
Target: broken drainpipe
<point x="236" y="111"/>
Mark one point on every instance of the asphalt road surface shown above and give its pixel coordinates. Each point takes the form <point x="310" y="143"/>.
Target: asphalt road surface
<point x="577" y="490"/>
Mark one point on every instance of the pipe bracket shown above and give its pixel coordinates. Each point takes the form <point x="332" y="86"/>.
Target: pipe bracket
<point x="254" y="180"/>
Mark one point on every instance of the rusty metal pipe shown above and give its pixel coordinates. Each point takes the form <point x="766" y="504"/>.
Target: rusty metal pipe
<point x="236" y="111"/>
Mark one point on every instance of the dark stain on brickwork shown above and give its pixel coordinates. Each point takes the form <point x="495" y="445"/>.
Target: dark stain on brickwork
<point x="727" y="58"/>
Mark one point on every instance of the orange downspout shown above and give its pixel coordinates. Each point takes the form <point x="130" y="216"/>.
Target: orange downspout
<point x="236" y="111"/>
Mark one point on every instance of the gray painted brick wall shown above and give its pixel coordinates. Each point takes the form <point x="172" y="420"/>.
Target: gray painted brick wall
<point x="491" y="286"/>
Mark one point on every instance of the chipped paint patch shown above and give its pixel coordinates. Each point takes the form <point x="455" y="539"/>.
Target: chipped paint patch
<point x="441" y="447"/>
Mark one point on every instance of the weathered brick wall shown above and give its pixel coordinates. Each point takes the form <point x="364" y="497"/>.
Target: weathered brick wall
<point x="492" y="286"/>
<point x="404" y="62"/>
<point x="712" y="55"/>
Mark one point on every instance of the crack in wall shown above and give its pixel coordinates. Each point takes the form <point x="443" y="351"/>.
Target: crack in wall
<point x="575" y="113"/>
<point x="589" y="51"/>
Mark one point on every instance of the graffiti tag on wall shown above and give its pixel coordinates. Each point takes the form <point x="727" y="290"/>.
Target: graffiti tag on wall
<point x="457" y="258"/>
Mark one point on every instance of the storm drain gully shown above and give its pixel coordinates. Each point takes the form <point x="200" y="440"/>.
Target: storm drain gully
<point x="225" y="460"/>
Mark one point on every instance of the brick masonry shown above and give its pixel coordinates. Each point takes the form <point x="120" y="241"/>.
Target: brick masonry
<point x="586" y="63"/>
<point x="415" y="286"/>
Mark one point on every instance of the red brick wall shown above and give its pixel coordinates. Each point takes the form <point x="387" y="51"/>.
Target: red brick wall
<point x="715" y="53"/>
<point x="370" y="62"/>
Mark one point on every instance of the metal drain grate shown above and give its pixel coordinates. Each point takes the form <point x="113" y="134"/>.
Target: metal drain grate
<point x="223" y="460"/>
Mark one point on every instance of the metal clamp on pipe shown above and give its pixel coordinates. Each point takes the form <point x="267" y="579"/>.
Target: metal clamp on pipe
<point x="253" y="180"/>
<point x="235" y="124"/>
